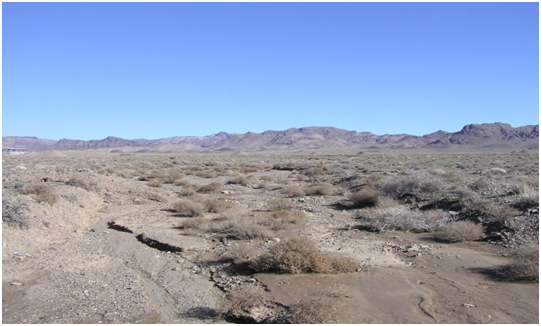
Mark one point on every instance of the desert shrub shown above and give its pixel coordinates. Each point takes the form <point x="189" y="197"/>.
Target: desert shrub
<point x="42" y="193"/>
<point x="214" y="205"/>
<point x="15" y="213"/>
<point x="319" y="189"/>
<point x="82" y="184"/>
<point x="527" y="198"/>
<point x="196" y="223"/>
<point x="318" y="308"/>
<point x="461" y="231"/>
<point x="207" y="174"/>
<point x="187" y="190"/>
<point x="294" y="191"/>
<point x="214" y="186"/>
<point x="242" y="228"/>
<point x="171" y="176"/>
<point x="244" y="180"/>
<point x="154" y="183"/>
<point x="524" y="267"/>
<point x="283" y="219"/>
<point x="365" y="198"/>
<point x="279" y="203"/>
<point x="314" y="171"/>
<point x="386" y="202"/>
<point x="479" y="184"/>
<point x="402" y="218"/>
<point x="301" y="255"/>
<point x="375" y="178"/>
<point x="187" y="207"/>
<point x="267" y="178"/>
<point x="244" y="300"/>
<point x="415" y="183"/>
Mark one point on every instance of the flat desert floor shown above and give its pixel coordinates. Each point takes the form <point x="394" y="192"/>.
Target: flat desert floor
<point x="92" y="237"/>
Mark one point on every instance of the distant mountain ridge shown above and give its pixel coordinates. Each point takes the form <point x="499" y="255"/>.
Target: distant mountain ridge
<point x="473" y="136"/>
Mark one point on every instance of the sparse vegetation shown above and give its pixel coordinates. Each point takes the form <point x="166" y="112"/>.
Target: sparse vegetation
<point x="461" y="231"/>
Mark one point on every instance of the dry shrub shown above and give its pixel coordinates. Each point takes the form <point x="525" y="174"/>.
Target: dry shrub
<point x="402" y="218"/>
<point x="241" y="253"/>
<point x="244" y="180"/>
<point x="319" y="189"/>
<point x="416" y="182"/>
<point x="527" y="198"/>
<point x="187" y="190"/>
<point x="214" y="186"/>
<point x="267" y="178"/>
<point x="525" y="265"/>
<point x="283" y="219"/>
<point x="42" y="193"/>
<point x="386" y="202"/>
<point x="242" y="228"/>
<point x="461" y="231"/>
<point x="294" y="191"/>
<point x="301" y="255"/>
<point x="82" y="184"/>
<point x="318" y="308"/>
<point x="15" y="213"/>
<point x="154" y="183"/>
<point x="479" y="184"/>
<point x="314" y="172"/>
<point x="279" y="203"/>
<point x="207" y="174"/>
<point x="187" y="207"/>
<point x="245" y="301"/>
<point x="365" y="198"/>
<point x="214" y="205"/>
<point x="196" y="223"/>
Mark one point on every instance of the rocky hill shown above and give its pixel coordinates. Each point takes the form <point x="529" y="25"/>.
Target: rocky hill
<point x="487" y="136"/>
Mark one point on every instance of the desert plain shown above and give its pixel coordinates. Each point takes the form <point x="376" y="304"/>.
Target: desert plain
<point x="298" y="237"/>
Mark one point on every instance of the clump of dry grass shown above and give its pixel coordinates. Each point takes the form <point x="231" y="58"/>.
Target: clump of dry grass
<point x="461" y="231"/>
<point x="283" y="219"/>
<point x="214" y="186"/>
<point x="318" y="308"/>
<point x="294" y="191"/>
<point x="244" y="180"/>
<point x="319" y="189"/>
<point x="245" y="300"/>
<point x="301" y="255"/>
<point x="402" y="218"/>
<point x="193" y="224"/>
<point x="42" y="193"/>
<point x="15" y="212"/>
<point x="155" y="183"/>
<point x="279" y="203"/>
<point x="415" y="183"/>
<point x="242" y="228"/>
<point x="187" y="207"/>
<point x="525" y="265"/>
<point x="214" y="205"/>
<point x="365" y="198"/>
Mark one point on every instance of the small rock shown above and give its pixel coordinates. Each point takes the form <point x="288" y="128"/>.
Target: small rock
<point x="468" y="305"/>
<point x="16" y="284"/>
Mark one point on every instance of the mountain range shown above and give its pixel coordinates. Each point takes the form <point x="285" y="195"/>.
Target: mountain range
<point x="482" y="137"/>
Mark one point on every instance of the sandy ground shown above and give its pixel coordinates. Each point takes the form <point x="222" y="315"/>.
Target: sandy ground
<point x="83" y="268"/>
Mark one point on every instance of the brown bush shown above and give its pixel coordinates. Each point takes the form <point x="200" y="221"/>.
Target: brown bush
<point x="187" y="207"/>
<point x="461" y="231"/>
<point x="244" y="180"/>
<point x="319" y="189"/>
<point x="242" y="301"/>
<point x="15" y="212"/>
<point x="294" y="191"/>
<point x="525" y="265"/>
<point x="365" y="198"/>
<point x="416" y="182"/>
<point x="300" y="255"/>
<point x="279" y="203"/>
<point x="214" y="186"/>
<point x="283" y="219"/>
<point x="42" y="193"/>
<point x="154" y="183"/>
<point x="214" y="205"/>
<point x="242" y="228"/>
<point x="195" y="223"/>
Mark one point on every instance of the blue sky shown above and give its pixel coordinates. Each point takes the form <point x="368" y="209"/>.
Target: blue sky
<point x="154" y="70"/>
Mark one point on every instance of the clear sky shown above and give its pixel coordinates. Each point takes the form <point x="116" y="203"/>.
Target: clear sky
<point x="154" y="70"/>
